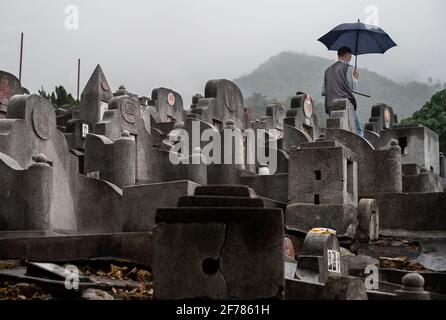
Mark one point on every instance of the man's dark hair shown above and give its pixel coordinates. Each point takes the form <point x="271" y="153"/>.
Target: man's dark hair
<point x="343" y="51"/>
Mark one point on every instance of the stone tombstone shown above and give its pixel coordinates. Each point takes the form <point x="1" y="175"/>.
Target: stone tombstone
<point x="274" y="118"/>
<point x="383" y="118"/>
<point x="368" y="220"/>
<point x="418" y="144"/>
<point x="62" y="117"/>
<point x="144" y="101"/>
<point x="95" y="97"/>
<point x="277" y="112"/>
<point x="342" y="116"/>
<point x="9" y="86"/>
<point x="320" y="258"/>
<point x="195" y="99"/>
<point x="38" y="111"/>
<point x="31" y="130"/>
<point x="222" y="243"/>
<point x="380" y="170"/>
<point x="302" y="115"/>
<point x="75" y="132"/>
<point x="223" y="101"/>
<point x="168" y="104"/>
<point x="124" y="113"/>
<point x="323" y="188"/>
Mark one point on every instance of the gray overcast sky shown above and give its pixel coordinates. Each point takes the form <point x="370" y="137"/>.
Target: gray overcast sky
<point x="183" y="43"/>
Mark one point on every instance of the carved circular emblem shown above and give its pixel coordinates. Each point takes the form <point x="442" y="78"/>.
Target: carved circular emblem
<point x="308" y="107"/>
<point x="171" y="99"/>
<point x="387" y="118"/>
<point x="41" y="121"/>
<point x="129" y="109"/>
<point x="105" y="86"/>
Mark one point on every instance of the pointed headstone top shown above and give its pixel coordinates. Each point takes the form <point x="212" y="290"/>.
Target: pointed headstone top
<point x="95" y="96"/>
<point x="98" y="84"/>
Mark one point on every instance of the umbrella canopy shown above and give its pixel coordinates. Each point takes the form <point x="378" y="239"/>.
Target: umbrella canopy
<point x="361" y="38"/>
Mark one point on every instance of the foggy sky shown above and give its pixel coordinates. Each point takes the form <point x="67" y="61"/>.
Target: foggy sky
<point x="181" y="44"/>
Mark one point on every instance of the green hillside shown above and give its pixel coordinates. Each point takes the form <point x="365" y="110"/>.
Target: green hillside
<point x="285" y="74"/>
<point x="433" y="116"/>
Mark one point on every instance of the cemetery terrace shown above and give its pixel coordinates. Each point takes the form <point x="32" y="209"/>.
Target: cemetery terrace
<point x="319" y="213"/>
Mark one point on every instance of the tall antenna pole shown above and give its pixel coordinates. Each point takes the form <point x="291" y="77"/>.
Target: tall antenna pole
<point x="78" y="76"/>
<point x="21" y="58"/>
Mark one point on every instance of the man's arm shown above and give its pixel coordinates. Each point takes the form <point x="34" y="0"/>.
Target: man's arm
<point x="323" y="88"/>
<point x="352" y="79"/>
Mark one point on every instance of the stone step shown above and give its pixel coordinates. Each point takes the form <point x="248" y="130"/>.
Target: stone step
<point x="213" y="201"/>
<point x="225" y="191"/>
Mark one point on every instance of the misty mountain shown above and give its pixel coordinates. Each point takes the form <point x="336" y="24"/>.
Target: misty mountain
<point x="283" y="75"/>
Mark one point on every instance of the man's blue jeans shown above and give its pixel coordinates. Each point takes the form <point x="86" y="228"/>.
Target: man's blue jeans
<point x="359" y="130"/>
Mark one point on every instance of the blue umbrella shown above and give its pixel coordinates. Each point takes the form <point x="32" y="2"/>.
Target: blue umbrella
<point x="359" y="37"/>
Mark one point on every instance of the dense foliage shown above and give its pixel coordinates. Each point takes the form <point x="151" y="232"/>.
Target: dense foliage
<point x="59" y="97"/>
<point x="433" y="116"/>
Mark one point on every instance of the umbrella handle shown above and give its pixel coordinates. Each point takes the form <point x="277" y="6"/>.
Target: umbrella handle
<point x="357" y="43"/>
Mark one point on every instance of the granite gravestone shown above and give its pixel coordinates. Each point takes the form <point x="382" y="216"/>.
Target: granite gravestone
<point x="9" y="86"/>
<point x="168" y="104"/>
<point x="95" y="98"/>
<point x="320" y="257"/>
<point x="223" y="101"/>
<point x="323" y="188"/>
<point x="274" y="118"/>
<point x="122" y="119"/>
<point x="219" y="244"/>
<point x="302" y="116"/>
<point x="30" y="130"/>
<point x="301" y="125"/>
<point x="382" y="118"/>
<point x="342" y="116"/>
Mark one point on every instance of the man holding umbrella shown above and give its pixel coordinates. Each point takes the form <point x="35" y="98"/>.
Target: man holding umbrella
<point x="340" y="80"/>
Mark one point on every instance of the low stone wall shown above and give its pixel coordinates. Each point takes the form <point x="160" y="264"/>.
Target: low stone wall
<point x="411" y="211"/>
<point x="268" y="186"/>
<point x="136" y="247"/>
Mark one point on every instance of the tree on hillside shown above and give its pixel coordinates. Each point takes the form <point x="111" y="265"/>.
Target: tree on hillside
<point x="258" y="103"/>
<point x="433" y="116"/>
<point x="59" y="97"/>
<point x="437" y="85"/>
<point x="257" y="100"/>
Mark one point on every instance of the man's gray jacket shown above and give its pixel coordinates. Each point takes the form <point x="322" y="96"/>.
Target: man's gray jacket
<point x="338" y="84"/>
